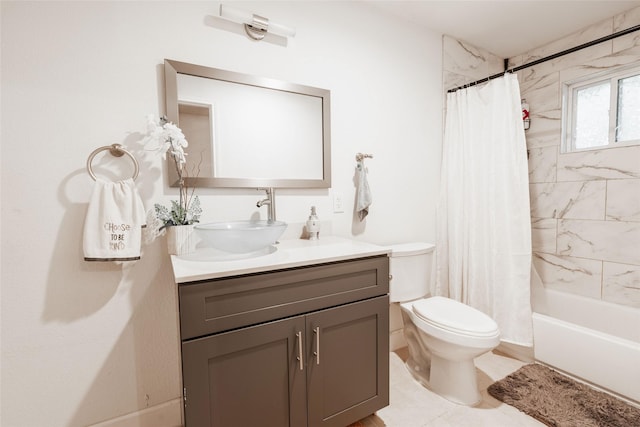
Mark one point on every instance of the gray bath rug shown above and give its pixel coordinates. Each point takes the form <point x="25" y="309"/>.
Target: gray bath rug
<point x="559" y="401"/>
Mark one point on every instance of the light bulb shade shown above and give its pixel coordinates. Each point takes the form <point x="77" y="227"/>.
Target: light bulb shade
<point x="281" y="30"/>
<point x="244" y="17"/>
<point x="236" y="15"/>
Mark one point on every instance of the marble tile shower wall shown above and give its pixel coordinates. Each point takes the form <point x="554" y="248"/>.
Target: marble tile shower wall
<point x="585" y="206"/>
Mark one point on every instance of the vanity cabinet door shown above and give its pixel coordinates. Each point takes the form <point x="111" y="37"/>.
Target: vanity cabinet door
<point x="247" y="377"/>
<point x="348" y="362"/>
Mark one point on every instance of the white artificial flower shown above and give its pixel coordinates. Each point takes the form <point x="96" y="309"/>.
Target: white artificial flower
<point x="168" y="139"/>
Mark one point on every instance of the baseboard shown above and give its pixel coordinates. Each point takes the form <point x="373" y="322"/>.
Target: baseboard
<point x="519" y="352"/>
<point x="166" y="414"/>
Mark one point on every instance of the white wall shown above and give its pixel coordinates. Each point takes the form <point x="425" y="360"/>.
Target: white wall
<point x="85" y="342"/>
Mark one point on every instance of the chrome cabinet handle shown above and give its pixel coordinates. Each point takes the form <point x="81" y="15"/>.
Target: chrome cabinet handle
<point x="316" y="353"/>
<point x="300" y="358"/>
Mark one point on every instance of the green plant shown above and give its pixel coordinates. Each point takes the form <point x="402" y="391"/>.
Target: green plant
<point x="179" y="214"/>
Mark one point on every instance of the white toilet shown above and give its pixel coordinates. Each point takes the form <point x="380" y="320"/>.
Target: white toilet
<point x="443" y="335"/>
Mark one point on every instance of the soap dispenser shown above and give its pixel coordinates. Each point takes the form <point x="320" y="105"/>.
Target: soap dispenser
<point x="313" y="225"/>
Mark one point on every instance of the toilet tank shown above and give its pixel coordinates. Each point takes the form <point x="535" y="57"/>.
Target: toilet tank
<point x="410" y="266"/>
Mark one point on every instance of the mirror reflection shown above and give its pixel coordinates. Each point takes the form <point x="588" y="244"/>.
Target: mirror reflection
<point x="246" y="131"/>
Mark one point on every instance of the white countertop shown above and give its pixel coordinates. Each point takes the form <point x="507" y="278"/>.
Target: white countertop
<point x="207" y="263"/>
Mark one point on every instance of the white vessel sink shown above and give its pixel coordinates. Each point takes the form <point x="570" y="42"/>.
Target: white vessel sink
<point x="241" y="236"/>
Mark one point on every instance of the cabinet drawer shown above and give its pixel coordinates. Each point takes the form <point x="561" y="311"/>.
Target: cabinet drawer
<point x="218" y="305"/>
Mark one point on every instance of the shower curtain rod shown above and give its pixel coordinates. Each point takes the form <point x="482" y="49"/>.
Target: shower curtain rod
<point x="548" y="58"/>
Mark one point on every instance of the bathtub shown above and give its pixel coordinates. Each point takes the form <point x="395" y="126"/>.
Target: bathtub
<point x="589" y="339"/>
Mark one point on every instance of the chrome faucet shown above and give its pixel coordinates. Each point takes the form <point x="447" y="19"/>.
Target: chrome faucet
<point x="271" y="201"/>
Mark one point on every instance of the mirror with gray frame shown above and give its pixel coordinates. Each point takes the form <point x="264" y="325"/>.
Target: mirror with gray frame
<point x="249" y="132"/>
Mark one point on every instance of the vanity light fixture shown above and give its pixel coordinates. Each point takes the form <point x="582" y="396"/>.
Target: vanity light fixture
<point x="256" y="26"/>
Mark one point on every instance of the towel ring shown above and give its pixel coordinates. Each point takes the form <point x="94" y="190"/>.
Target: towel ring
<point x="116" y="150"/>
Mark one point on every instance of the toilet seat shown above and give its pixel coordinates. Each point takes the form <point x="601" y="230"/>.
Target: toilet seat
<point x="453" y="316"/>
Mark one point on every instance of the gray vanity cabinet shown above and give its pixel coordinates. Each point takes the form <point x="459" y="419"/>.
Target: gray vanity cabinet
<point x="322" y="358"/>
<point x="348" y="378"/>
<point x="248" y="377"/>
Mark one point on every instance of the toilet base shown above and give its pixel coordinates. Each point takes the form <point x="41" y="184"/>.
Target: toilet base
<point x="455" y="380"/>
<point x="419" y="371"/>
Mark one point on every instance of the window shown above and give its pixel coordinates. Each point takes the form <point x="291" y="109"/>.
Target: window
<point x="602" y="111"/>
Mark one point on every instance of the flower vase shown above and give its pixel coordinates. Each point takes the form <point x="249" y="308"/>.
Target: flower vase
<point x="181" y="239"/>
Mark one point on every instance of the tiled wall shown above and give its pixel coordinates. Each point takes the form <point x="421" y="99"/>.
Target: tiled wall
<point x="464" y="63"/>
<point x="585" y="206"/>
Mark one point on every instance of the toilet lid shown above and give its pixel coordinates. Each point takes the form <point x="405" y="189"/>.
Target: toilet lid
<point x="454" y="316"/>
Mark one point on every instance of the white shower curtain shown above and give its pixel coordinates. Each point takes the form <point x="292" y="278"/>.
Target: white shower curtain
<point x="484" y="227"/>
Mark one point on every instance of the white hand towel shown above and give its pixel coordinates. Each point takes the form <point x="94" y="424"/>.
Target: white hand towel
<point x="114" y="221"/>
<point x="363" y="196"/>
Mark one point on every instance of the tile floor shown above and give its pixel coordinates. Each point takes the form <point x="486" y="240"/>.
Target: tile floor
<point x="412" y="405"/>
